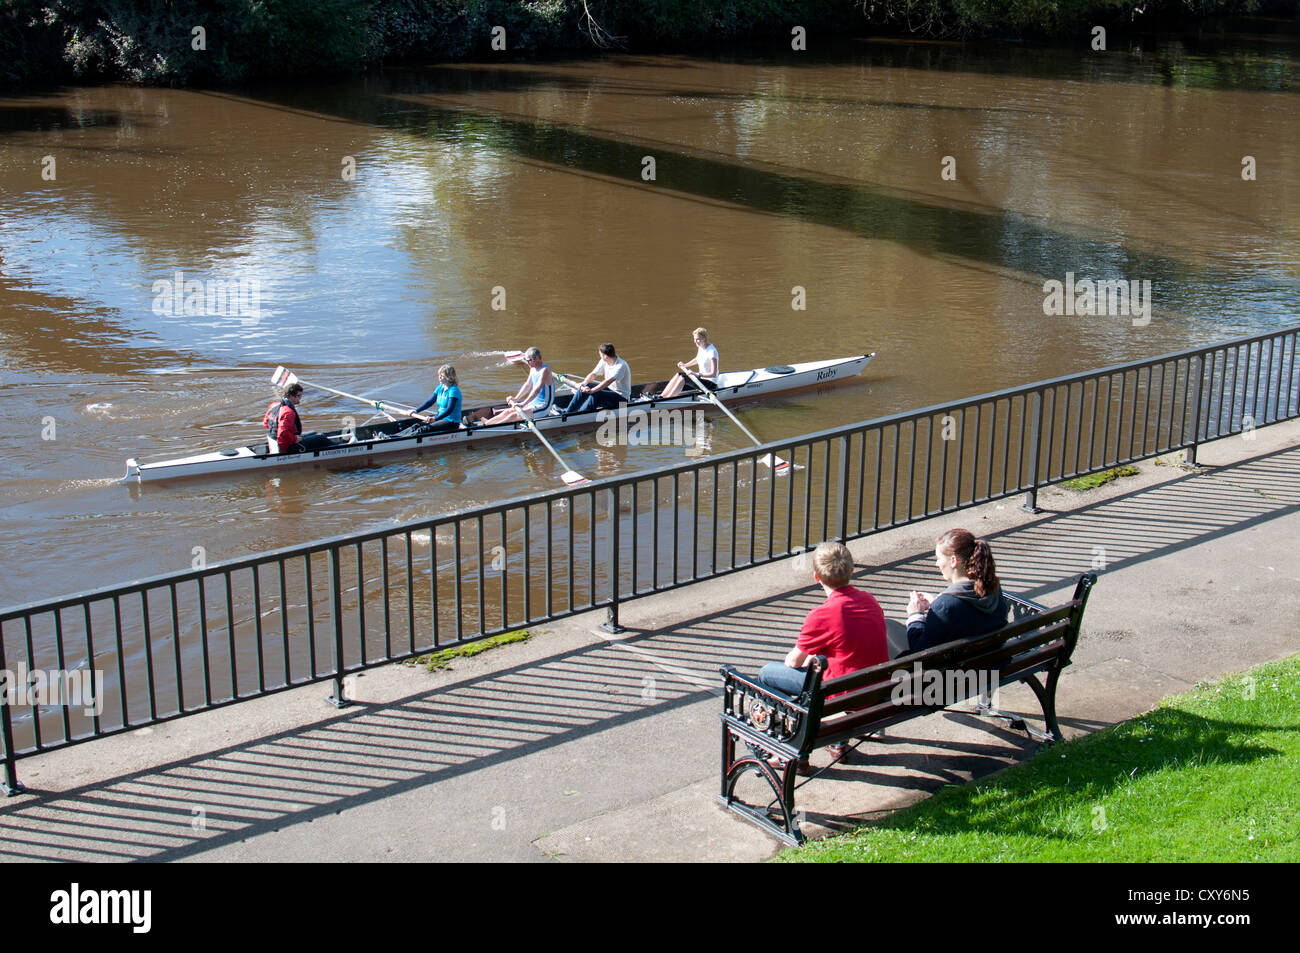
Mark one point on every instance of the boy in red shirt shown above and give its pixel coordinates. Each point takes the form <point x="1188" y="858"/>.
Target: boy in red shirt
<point x="848" y="628"/>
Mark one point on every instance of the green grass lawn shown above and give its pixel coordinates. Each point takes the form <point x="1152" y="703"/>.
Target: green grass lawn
<point x="1209" y="775"/>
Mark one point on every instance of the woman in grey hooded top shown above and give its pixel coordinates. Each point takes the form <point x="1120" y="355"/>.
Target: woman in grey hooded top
<point x="972" y="604"/>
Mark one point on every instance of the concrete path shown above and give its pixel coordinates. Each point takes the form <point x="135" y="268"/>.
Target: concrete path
<point x="575" y="746"/>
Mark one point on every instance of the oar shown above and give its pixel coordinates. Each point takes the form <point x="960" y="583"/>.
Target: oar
<point x="573" y="383"/>
<point x="571" y="477"/>
<point x="777" y="464"/>
<point x="283" y="377"/>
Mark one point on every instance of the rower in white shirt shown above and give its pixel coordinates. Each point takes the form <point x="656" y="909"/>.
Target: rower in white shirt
<point x="615" y="389"/>
<point x="706" y="360"/>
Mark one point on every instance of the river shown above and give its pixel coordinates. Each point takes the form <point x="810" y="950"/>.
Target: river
<point x="388" y="224"/>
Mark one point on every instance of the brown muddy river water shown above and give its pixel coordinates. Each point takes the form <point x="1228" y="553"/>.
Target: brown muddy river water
<point x="822" y="175"/>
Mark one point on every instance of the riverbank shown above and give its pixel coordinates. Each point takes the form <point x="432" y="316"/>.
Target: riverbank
<point x="577" y="746"/>
<point x="205" y="43"/>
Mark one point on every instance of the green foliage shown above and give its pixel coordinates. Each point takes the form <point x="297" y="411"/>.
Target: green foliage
<point x="293" y="37"/>
<point x="444" y="657"/>
<point x="702" y="22"/>
<point x="28" y="44"/>
<point x="405" y="29"/>
<point x="1039" y="18"/>
<point x="1209" y="775"/>
<point x="150" y="41"/>
<point x="1094" y="480"/>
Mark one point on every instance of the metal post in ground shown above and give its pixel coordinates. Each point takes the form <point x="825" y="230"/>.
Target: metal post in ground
<point x="9" y="786"/>
<point x="336" y="612"/>
<point x="610" y="624"/>
<point x="1031" y="497"/>
<point x="1190" y="454"/>
<point x="844" y="489"/>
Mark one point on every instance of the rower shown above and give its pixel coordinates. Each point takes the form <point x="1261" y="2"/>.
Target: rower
<point x="536" y="395"/>
<point x="447" y="398"/>
<point x="613" y="391"/>
<point x="284" y="426"/>
<point x="706" y="359"/>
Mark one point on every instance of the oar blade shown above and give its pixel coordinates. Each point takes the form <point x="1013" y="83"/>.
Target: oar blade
<point x="780" y="466"/>
<point x="573" y="478"/>
<point x="283" y="377"/>
<point x="514" y="357"/>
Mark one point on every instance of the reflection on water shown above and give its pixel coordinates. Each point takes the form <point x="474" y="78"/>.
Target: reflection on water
<point x="381" y="219"/>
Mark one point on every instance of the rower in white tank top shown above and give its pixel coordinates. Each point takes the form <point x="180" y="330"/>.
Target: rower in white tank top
<point x="706" y="359"/>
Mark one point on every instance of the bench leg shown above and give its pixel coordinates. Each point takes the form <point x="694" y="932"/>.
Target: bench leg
<point x="984" y="707"/>
<point x="1047" y="699"/>
<point x="782" y="783"/>
<point x="728" y="756"/>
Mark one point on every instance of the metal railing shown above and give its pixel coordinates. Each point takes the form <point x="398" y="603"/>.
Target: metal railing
<point x="182" y="643"/>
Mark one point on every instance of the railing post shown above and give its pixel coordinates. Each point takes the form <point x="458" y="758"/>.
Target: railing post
<point x="844" y="489"/>
<point x="336" y="620"/>
<point x="9" y="786"/>
<point x="610" y="624"/>
<point x="1031" y="497"/>
<point x="1190" y="455"/>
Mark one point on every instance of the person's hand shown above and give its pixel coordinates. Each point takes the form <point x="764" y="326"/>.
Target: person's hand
<point x="919" y="602"/>
<point x="681" y="365"/>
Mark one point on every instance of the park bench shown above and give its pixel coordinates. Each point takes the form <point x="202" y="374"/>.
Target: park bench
<point x="767" y="732"/>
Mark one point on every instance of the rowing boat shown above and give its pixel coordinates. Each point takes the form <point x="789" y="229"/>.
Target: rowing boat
<point x="405" y="435"/>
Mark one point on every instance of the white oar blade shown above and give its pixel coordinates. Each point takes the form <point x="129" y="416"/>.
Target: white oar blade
<point x="514" y="356"/>
<point x="283" y="377"/>
<point x="573" y="478"/>
<point x="779" y="465"/>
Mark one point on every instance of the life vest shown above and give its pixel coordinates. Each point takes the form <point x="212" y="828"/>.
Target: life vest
<point x="272" y="421"/>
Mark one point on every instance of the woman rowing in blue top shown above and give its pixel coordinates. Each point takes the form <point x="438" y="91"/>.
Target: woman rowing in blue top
<point x="448" y="400"/>
<point x="535" y="397"/>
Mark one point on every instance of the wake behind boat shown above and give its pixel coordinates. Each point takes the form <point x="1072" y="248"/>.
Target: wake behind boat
<point x="406" y="434"/>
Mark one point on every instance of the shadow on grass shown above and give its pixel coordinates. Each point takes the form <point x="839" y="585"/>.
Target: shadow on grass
<point x="1087" y="769"/>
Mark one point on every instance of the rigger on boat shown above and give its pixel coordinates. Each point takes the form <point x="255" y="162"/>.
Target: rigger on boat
<point x="404" y="432"/>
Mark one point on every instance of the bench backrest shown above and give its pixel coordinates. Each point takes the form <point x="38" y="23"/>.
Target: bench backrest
<point x="1035" y="640"/>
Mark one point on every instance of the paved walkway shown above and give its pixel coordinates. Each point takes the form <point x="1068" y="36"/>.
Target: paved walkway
<point x="575" y="746"/>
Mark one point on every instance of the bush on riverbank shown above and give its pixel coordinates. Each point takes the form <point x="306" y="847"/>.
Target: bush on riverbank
<point x="158" y="41"/>
<point x="153" y="41"/>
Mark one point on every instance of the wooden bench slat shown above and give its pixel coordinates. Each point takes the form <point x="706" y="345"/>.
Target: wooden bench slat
<point x="940" y="654"/>
<point x="987" y="660"/>
<point x="877" y="716"/>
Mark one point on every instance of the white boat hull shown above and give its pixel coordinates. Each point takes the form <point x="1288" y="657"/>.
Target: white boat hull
<point x="372" y="442"/>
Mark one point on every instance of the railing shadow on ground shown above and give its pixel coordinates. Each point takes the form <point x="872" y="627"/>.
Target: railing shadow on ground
<point x="383" y="750"/>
